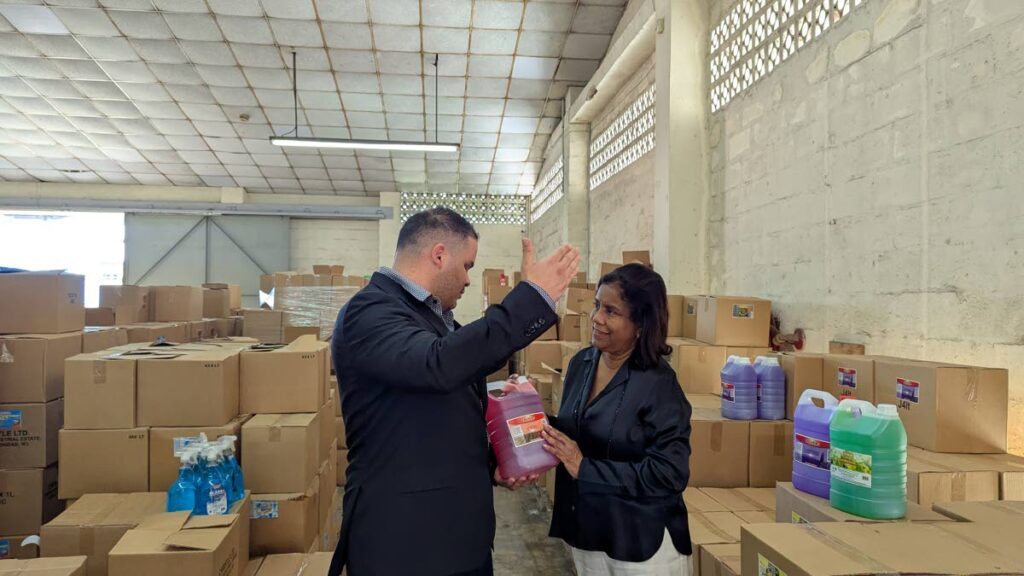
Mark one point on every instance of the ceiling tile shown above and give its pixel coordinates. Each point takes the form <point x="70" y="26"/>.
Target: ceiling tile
<point x="296" y="32"/>
<point x="225" y="76"/>
<point x="148" y="142"/>
<point x="446" y="13"/>
<point x="53" y="88"/>
<point x="55" y="46"/>
<point x="523" y="107"/>
<point x="344" y="173"/>
<point x="557" y="90"/>
<point x="326" y="117"/>
<point x="482" y="124"/>
<point x="485" y="106"/>
<point x="31" y="67"/>
<point x="249" y="109"/>
<point x="294" y="9"/>
<point x="101" y="48"/>
<point x="530" y="67"/>
<point x="87" y="21"/>
<point x="410" y="85"/>
<point x="405" y="121"/>
<point x="79" y="69"/>
<point x="203" y="112"/>
<point x="273" y="78"/>
<point x="588" y="46"/>
<point x="400" y="63"/>
<point x="173" y="127"/>
<point x="493" y="42"/>
<point x="191" y="93"/>
<point x="334" y="161"/>
<point x="163" y="110"/>
<point x="127" y="4"/>
<point x="497" y="14"/>
<point x="553" y="108"/>
<point x="596" y="19"/>
<point x="311" y="159"/>
<point x="320" y="100"/>
<point x="357" y="82"/>
<point x="277" y="183"/>
<point x="285" y="117"/>
<point x="196" y="6"/>
<point x="16" y="87"/>
<point x="577" y="70"/>
<point x="98" y="129"/>
<point x="512" y="155"/>
<point x="237" y="7"/>
<point x="518" y="125"/>
<point x="128" y="71"/>
<point x="228" y="144"/>
<point x="307" y="58"/>
<point x="353" y="61"/>
<point x="363" y="103"/>
<point x="519" y="88"/>
<point x="210" y="53"/>
<point x="117" y="108"/>
<point x="487" y="87"/>
<point x="258" y="56"/>
<point x="275" y="98"/>
<point x="275" y="171"/>
<point x="196" y="27"/>
<point x="455" y="87"/>
<point x="548" y="17"/>
<point x="480" y="140"/>
<point x="140" y="24"/>
<point x="233" y="159"/>
<point x="396" y="38"/>
<point x="342" y="10"/>
<point x="162" y="51"/>
<point x="474" y="167"/>
<point x="74" y="107"/>
<point x="540" y="44"/>
<point x="276" y="160"/>
<point x="404" y="104"/>
<point x="445" y="40"/>
<point x="447" y="123"/>
<point x="15" y="44"/>
<point x="245" y="29"/>
<point x="242" y="170"/>
<point x="347" y="35"/>
<point x="448" y="64"/>
<point x="402" y="12"/>
<point x="547" y="125"/>
<point x="315" y="80"/>
<point x="133" y="126"/>
<point x="215" y="129"/>
<point x="311" y="174"/>
<point x="176" y="74"/>
<point x="494" y="66"/>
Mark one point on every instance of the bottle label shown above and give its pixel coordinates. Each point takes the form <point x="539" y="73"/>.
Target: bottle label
<point x="5" y="549"/>
<point x="797" y="519"/>
<point x="265" y="509"/>
<point x="218" y="502"/>
<point x="811" y="451"/>
<point x="10" y="419"/>
<point x="526" y="429"/>
<point x="908" y="390"/>
<point x="851" y="467"/>
<point x="728" y="392"/>
<point x="765" y="567"/>
<point x="743" y="311"/>
<point x="846" y="378"/>
<point x="183" y="442"/>
<point x="758" y="391"/>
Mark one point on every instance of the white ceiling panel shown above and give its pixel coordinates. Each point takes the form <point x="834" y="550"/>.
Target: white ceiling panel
<point x="245" y="29"/>
<point x="297" y="32"/>
<point x="397" y="38"/>
<point x="197" y="27"/>
<point x="342" y="10"/>
<point x="493" y="41"/>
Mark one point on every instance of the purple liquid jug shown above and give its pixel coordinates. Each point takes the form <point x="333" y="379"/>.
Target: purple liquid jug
<point x="811" y="442"/>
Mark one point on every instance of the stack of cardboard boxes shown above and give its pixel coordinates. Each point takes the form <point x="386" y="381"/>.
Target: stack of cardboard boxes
<point x="292" y="304"/>
<point x="177" y="314"/>
<point x="41" y="322"/>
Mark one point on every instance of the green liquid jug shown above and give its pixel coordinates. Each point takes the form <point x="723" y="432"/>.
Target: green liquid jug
<point x="868" y="460"/>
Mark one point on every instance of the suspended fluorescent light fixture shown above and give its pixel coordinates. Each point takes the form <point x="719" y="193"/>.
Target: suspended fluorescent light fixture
<point x="287" y="139"/>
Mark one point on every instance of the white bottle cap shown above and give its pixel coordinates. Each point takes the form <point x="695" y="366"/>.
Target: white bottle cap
<point x="768" y="360"/>
<point x="888" y="411"/>
<point x="742" y="360"/>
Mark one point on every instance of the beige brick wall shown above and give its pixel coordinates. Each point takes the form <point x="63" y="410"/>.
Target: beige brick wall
<point x="352" y="243"/>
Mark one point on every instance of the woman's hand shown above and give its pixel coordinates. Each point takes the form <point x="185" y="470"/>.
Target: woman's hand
<point x="564" y="448"/>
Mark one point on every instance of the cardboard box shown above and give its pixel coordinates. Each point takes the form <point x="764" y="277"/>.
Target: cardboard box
<point x="267" y="326"/>
<point x="637" y="257"/>
<point x="234" y="295"/>
<point x="698" y="500"/>
<point x="135" y="301"/>
<point x="28" y="434"/>
<point x="100" y="392"/>
<point x="293" y="333"/>
<point x="734" y="500"/>
<point x="42" y="303"/>
<point x="328" y="483"/>
<point x="285" y="379"/>
<point x="114" y="316"/>
<point x="947" y="408"/>
<point x="720" y="450"/>
<point x="100" y="317"/>
<point x="731" y="321"/>
<point x="284" y="523"/>
<point x="1011" y="474"/>
<point x="281" y="452"/>
<point x="226" y="327"/>
<point x="94" y="523"/>
<point x="571" y="327"/>
<point x="796" y="507"/>
<point x="711" y="401"/>
<point x="329" y="269"/>
<point x="17" y="548"/>
<point x="1007" y="513"/>
<point x="539" y="354"/>
<point x="569" y="351"/>
<point x="70" y="566"/>
<point x="848" y="376"/>
<point x="690" y="306"/>
<point x="103" y="461"/>
<point x="29" y="499"/>
<point x="698" y="366"/>
<point x="847" y="548"/>
<point x="173" y="543"/>
<point x="328" y="439"/>
<point x="676" y="315"/>
<point x="771" y="452"/>
<point x="32" y="366"/>
<point x="191" y="386"/>
<point x="177" y="303"/>
<point x="149" y="332"/>
<point x="608" y="268"/>
<point x="580" y="301"/>
<point x="342" y="466"/>
<point x="720" y="560"/>
<point x="296" y="564"/>
<point x="216" y="303"/>
<point x="934" y="477"/>
<point x="707" y="528"/>
<point x="97" y="338"/>
<point x="166" y="444"/>
<point x="200" y="330"/>
<point x="495" y="294"/>
<point x="803" y="372"/>
<point x="339" y="425"/>
<point x="764" y="497"/>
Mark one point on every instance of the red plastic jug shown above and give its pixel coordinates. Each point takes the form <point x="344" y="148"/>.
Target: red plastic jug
<point x="515" y="418"/>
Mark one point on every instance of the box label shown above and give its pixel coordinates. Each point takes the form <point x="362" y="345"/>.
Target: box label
<point x="766" y="568"/>
<point x="908" y="390"/>
<point x="265" y="510"/>
<point x="691" y="309"/>
<point x="183" y="442"/>
<point x="851" y="467"/>
<point x="797" y="519"/>
<point x="743" y="311"/>
<point x="811" y="451"/>
<point x="846" y="378"/>
<point x="728" y="392"/>
<point x="526" y="429"/>
<point x="10" y="419"/>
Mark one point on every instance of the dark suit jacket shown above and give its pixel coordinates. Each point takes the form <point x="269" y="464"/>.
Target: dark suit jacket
<point x="635" y="440"/>
<point x="419" y="499"/>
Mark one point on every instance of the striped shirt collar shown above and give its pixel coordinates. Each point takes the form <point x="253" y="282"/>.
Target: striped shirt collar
<point x="421" y="294"/>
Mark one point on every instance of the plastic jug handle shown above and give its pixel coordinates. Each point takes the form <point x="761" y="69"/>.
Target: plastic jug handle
<point x="850" y="404"/>
<point x="810" y="394"/>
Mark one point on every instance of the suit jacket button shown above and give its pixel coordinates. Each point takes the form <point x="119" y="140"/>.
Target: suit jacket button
<point x="543" y="321"/>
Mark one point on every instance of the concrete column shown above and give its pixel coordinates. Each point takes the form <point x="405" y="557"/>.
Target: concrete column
<point x="576" y="188"/>
<point x="682" y="151"/>
<point x="387" y="236"/>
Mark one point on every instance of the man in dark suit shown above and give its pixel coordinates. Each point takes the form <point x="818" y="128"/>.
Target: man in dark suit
<point x="419" y="497"/>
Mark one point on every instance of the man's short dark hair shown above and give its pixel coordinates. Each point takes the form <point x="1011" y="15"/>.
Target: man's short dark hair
<point x="438" y="221"/>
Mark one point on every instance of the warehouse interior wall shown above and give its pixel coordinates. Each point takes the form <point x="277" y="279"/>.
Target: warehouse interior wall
<point x="352" y="243"/>
<point x="870" y="186"/>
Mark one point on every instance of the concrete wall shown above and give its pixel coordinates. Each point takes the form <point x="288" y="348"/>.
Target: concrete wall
<point x="871" y="185"/>
<point x="547" y="231"/>
<point x="622" y="207"/>
<point x="352" y="243"/>
<point x="500" y="247"/>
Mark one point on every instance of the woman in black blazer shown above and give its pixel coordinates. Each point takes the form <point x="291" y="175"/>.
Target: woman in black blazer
<point x="623" y="438"/>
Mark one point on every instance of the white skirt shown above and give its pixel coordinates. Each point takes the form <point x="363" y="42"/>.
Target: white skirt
<point x="667" y="561"/>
